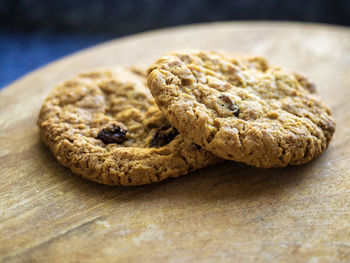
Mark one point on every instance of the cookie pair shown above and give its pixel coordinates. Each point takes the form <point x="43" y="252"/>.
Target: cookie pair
<point x="107" y="127"/>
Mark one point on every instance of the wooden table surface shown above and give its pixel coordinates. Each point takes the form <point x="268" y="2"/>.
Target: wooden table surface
<point x="225" y="213"/>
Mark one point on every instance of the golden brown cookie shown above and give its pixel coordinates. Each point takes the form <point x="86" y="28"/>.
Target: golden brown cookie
<point x="240" y="108"/>
<point x="105" y="126"/>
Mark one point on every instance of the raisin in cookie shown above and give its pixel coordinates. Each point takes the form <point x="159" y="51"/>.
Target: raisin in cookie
<point x="105" y="126"/>
<point x="240" y="108"/>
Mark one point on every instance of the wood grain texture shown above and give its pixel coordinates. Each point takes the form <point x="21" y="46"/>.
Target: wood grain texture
<point x="225" y="213"/>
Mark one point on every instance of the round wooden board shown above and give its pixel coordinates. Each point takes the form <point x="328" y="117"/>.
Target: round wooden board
<point x="225" y="213"/>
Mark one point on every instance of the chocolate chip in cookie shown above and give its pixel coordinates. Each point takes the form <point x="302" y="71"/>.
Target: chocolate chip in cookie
<point x="163" y="136"/>
<point x="228" y="102"/>
<point x="114" y="134"/>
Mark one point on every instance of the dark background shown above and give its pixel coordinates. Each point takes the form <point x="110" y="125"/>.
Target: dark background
<point x="35" y="32"/>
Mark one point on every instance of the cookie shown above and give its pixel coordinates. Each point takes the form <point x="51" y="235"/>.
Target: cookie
<point x="240" y="108"/>
<point x="105" y="126"/>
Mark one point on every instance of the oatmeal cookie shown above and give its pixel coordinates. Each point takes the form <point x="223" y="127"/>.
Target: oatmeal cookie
<point x="240" y="108"/>
<point x="105" y="126"/>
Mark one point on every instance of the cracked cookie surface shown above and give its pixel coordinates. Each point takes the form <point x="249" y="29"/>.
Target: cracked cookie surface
<point x="240" y="108"/>
<point x="105" y="126"/>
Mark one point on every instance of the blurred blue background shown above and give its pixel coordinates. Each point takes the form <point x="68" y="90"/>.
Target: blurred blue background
<point x="36" y="32"/>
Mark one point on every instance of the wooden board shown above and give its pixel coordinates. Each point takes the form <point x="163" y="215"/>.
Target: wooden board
<point x="225" y="213"/>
